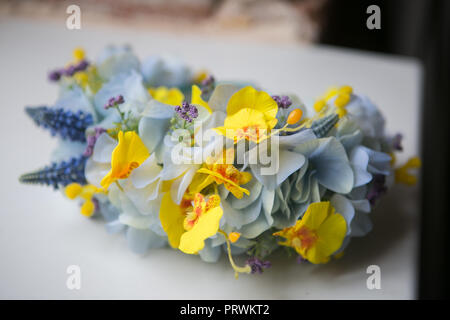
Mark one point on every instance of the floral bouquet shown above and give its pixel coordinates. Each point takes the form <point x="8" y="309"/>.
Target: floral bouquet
<point x="169" y="157"/>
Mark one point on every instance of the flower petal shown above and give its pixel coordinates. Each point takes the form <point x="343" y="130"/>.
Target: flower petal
<point x="141" y="240"/>
<point x="172" y="218"/>
<point x="207" y="225"/>
<point x="103" y="149"/>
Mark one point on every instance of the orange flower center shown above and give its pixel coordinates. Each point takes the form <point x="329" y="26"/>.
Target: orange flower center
<point x="307" y="237"/>
<point x="251" y="133"/>
<point x="125" y="173"/>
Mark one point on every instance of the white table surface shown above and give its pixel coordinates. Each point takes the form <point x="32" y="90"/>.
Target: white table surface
<point x="41" y="233"/>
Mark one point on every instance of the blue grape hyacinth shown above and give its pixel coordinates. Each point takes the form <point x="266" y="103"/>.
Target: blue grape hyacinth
<point x="67" y="124"/>
<point x="59" y="174"/>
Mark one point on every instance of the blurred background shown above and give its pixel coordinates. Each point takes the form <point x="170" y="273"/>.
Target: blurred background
<point x="414" y="28"/>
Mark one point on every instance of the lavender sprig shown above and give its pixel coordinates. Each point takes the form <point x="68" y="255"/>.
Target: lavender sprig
<point x="187" y="112"/>
<point x="69" y="71"/>
<point x="91" y="140"/>
<point x="283" y="102"/>
<point x="258" y="265"/>
<point x="378" y="188"/>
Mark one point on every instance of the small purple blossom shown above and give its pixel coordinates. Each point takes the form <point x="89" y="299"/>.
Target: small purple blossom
<point x="55" y="75"/>
<point x="207" y="86"/>
<point x="300" y="259"/>
<point x="283" y="102"/>
<point x="209" y="80"/>
<point x="378" y="188"/>
<point x="397" y="142"/>
<point x="114" y="101"/>
<point x="187" y="112"/>
<point x="69" y="71"/>
<point x="96" y="204"/>
<point x="91" y="140"/>
<point x="257" y="265"/>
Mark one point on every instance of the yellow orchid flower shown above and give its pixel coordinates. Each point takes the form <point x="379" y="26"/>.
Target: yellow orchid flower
<point x="219" y="170"/>
<point x="75" y="190"/>
<point x="318" y="234"/>
<point x="129" y="154"/>
<point x="172" y="96"/>
<point x="251" y="115"/>
<point x="188" y="226"/>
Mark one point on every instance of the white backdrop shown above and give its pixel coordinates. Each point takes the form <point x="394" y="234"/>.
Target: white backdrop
<point x="41" y="233"/>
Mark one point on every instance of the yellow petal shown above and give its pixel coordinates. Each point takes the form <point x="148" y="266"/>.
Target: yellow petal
<point x="248" y="97"/>
<point x="193" y="240"/>
<point x="78" y="54"/>
<point x="331" y="234"/>
<point x="129" y="154"/>
<point x="88" y="208"/>
<point x="245" y="177"/>
<point x="199" y="182"/>
<point x="266" y="105"/>
<point x="172" y="218"/>
<point x="73" y="190"/>
<point x="197" y="98"/>
<point x="244" y="98"/>
<point x="232" y="186"/>
<point x="246" y="117"/>
<point x="316" y="214"/>
<point x="172" y="96"/>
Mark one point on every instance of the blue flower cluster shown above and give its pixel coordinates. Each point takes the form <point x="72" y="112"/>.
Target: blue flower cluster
<point x="58" y="174"/>
<point x="68" y="124"/>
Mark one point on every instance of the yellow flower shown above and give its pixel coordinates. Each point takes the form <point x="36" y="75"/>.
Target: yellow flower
<point x="172" y="96"/>
<point x="129" y="154"/>
<point x="78" y="54"/>
<point x="251" y="115"/>
<point x="188" y="226"/>
<point x="343" y="97"/>
<point x="318" y="234"/>
<point x="402" y="174"/>
<point x="75" y="190"/>
<point x="219" y="170"/>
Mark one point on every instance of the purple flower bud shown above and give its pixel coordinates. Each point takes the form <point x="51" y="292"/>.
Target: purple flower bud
<point x="283" y="102"/>
<point x="91" y="140"/>
<point x="113" y="101"/>
<point x="397" y="142"/>
<point x="54" y="75"/>
<point x="69" y="71"/>
<point x="377" y="189"/>
<point x="81" y="66"/>
<point x="187" y="112"/>
<point x="119" y="99"/>
<point x="257" y="265"/>
<point x="209" y="80"/>
<point x="300" y="259"/>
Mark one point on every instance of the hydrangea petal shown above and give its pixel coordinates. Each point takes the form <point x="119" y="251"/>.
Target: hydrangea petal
<point x="103" y="149"/>
<point x="141" y="240"/>
<point x="221" y="95"/>
<point x="146" y="173"/>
